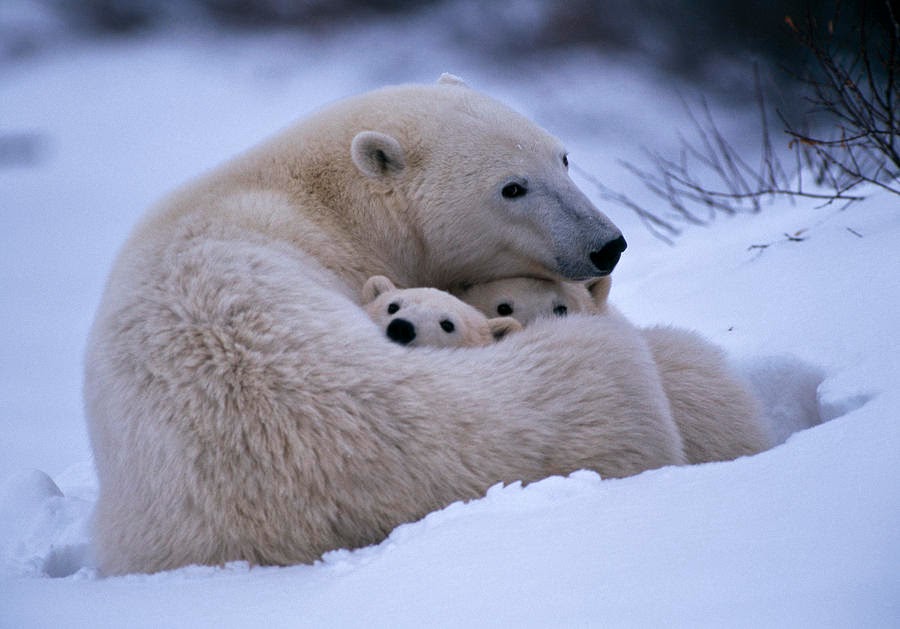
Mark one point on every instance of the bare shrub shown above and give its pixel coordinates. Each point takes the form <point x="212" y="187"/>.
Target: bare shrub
<point x="859" y="95"/>
<point x="854" y="100"/>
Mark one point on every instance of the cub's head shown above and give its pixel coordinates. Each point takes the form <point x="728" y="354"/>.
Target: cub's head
<point x="526" y="299"/>
<point x="430" y="317"/>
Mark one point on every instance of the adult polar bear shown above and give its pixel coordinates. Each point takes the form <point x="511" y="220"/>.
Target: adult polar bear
<point x="240" y="403"/>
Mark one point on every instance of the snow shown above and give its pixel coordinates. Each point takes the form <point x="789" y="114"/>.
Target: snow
<point x="805" y="534"/>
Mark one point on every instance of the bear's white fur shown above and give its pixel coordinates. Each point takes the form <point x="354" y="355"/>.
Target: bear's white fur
<point x="430" y="317"/>
<point x="241" y="404"/>
<point x="527" y="298"/>
<point x="719" y="419"/>
<point x="718" y="416"/>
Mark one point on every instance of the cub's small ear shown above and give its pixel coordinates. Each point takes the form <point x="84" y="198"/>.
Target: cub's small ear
<point x="375" y="286"/>
<point x="451" y="79"/>
<point x="599" y="290"/>
<point x="501" y="326"/>
<point x="377" y="154"/>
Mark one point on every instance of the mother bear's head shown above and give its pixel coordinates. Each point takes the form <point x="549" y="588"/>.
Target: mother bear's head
<point x="489" y="190"/>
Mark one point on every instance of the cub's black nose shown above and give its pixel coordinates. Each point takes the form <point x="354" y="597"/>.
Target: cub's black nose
<point x="606" y="258"/>
<point x="401" y="331"/>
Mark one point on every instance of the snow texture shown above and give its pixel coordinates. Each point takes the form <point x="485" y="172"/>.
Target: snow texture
<point x="803" y="535"/>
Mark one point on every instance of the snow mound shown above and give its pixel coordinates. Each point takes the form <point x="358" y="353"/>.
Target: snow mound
<point x="42" y="532"/>
<point x="788" y="390"/>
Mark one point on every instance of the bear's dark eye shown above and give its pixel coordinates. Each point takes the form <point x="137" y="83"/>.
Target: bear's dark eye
<point x="566" y="161"/>
<point x="447" y="326"/>
<point x="393" y="307"/>
<point x="513" y="190"/>
<point x="504" y="310"/>
<point x="560" y="310"/>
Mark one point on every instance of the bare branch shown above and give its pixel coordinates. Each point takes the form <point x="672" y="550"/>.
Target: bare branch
<point x="858" y="96"/>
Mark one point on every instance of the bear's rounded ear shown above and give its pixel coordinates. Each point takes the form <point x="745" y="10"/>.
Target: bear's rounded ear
<point x="599" y="289"/>
<point x="375" y="286"/>
<point x="501" y="326"/>
<point x="451" y="79"/>
<point x="377" y="154"/>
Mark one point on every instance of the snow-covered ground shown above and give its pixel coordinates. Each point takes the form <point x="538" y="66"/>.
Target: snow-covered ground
<point x="806" y="534"/>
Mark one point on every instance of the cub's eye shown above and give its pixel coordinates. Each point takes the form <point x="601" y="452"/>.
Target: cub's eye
<point x="504" y="310"/>
<point x="560" y="310"/>
<point x="447" y="326"/>
<point x="566" y="161"/>
<point x="393" y="307"/>
<point x="513" y="190"/>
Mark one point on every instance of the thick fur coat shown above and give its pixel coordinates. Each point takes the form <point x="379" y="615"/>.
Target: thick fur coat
<point x="241" y="405"/>
<point x="717" y="416"/>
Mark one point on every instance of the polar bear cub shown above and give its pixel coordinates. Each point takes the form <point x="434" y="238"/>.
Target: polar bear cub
<point x="430" y="317"/>
<point x="527" y="298"/>
<point x="717" y="416"/>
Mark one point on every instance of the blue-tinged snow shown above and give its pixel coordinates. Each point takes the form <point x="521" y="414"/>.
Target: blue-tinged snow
<point x="804" y="535"/>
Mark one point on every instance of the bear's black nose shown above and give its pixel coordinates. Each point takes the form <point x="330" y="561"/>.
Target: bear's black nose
<point x="608" y="256"/>
<point x="401" y="331"/>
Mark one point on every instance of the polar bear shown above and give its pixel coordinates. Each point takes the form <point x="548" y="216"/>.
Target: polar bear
<point x="430" y="317"/>
<point x="528" y="298"/>
<point x="240" y="403"/>
<point x="717" y="415"/>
